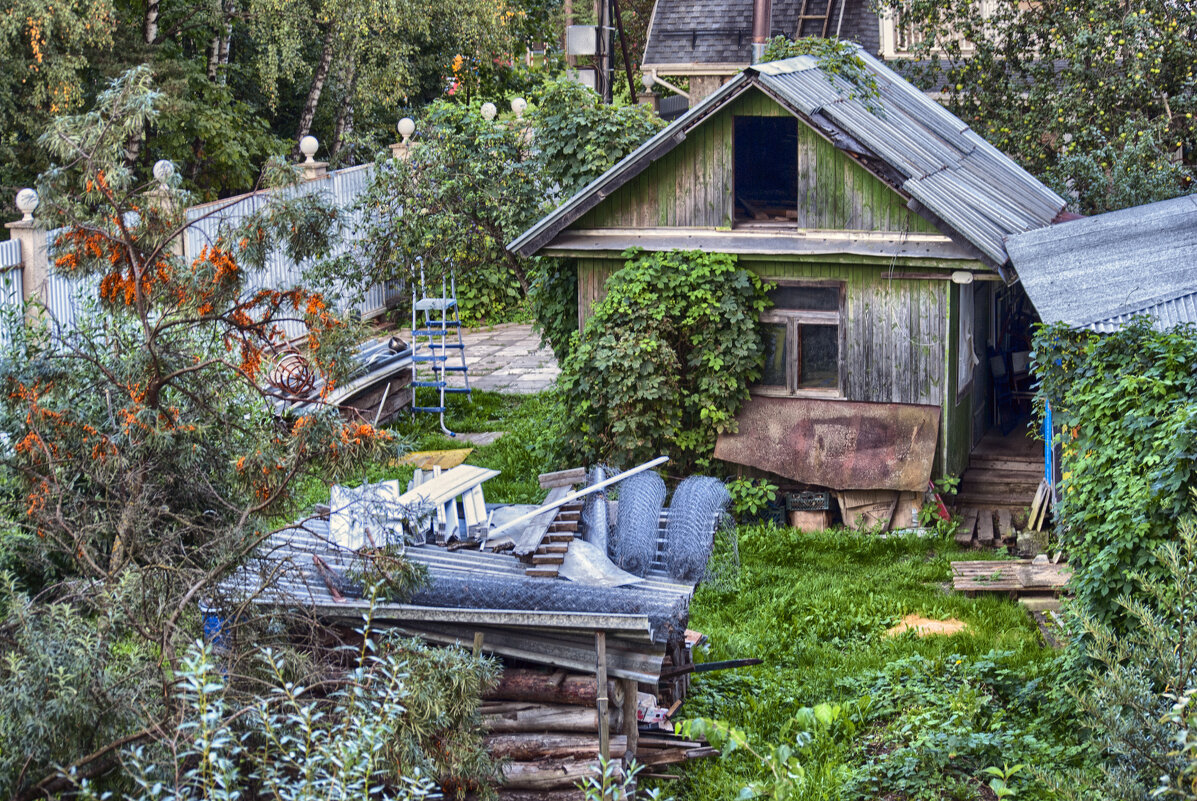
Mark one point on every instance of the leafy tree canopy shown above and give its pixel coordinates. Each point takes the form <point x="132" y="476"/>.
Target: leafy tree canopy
<point x="1098" y="98"/>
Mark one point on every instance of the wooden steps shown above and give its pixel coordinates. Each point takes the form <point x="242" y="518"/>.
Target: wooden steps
<point x="550" y="554"/>
<point x="997" y="489"/>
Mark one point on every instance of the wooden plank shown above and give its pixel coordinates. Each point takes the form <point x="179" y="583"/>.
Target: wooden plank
<point x="964" y="535"/>
<point x="1009" y="576"/>
<point x="563" y="478"/>
<point x="1005" y="527"/>
<point x="985" y="527"/>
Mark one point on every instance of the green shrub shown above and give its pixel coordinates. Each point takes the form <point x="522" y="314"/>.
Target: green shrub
<point x="665" y="360"/>
<point x="1139" y="689"/>
<point x="1126" y="407"/>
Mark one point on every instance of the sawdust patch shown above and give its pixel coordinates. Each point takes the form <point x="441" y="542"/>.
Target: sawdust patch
<point x="925" y="627"/>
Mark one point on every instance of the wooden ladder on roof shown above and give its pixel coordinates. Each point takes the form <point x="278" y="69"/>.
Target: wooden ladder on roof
<point x="804" y="17"/>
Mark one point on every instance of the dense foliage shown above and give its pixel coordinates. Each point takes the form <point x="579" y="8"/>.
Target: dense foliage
<point x="470" y="186"/>
<point x="1125" y="408"/>
<point x="1141" y="682"/>
<point x="244" y="79"/>
<point x="1096" y="97"/>
<point x="664" y="361"/>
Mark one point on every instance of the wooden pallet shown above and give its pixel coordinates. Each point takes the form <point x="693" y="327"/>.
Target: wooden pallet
<point x="987" y="528"/>
<point x="1015" y="577"/>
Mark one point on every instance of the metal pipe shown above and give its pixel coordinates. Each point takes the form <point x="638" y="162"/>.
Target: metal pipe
<point x="573" y="496"/>
<point x="662" y="82"/>
<point x="762" y="25"/>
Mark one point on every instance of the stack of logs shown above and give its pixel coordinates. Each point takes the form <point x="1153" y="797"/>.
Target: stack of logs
<point x="543" y="728"/>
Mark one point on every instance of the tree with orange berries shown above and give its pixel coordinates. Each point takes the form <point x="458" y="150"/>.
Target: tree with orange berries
<point x="144" y="458"/>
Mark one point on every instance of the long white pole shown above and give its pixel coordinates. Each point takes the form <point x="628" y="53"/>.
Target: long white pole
<point x="573" y="496"/>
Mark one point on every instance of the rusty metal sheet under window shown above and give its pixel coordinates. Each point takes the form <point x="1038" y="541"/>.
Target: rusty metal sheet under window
<point x="838" y="444"/>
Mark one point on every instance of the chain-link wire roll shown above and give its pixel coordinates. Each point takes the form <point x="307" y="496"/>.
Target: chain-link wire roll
<point x="634" y="539"/>
<point x="596" y="524"/>
<point x="695" y="509"/>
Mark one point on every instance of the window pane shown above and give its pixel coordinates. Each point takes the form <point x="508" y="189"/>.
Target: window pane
<point x="775" y="355"/>
<point x="820" y="357"/>
<point x="808" y="298"/>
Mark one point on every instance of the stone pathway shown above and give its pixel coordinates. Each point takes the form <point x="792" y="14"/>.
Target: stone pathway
<point x="508" y="358"/>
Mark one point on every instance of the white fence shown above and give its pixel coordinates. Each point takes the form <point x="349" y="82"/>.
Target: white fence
<point x="342" y="188"/>
<point x="64" y="296"/>
<point x="11" y="292"/>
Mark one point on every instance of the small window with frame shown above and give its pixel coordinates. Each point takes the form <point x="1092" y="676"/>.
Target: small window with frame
<point x="801" y="336"/>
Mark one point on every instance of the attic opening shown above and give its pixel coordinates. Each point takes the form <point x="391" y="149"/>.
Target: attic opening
<point x="766" y="169"/>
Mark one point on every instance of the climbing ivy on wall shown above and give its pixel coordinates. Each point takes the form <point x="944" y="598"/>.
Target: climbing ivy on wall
<point x="1125" y="407"/>
<point x="665" y="360"/>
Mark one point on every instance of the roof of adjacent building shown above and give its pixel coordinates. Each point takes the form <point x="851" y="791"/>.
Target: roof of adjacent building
<point x="1100" y="272"/>
<point x="719" y="32"/>
<point x="951" y="175"/>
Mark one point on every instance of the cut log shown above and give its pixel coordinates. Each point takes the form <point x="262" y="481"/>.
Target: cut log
<point x="543" y="795"/>
<point x="548" y="774"/>
<point x="526" y="717"/>
<point x="548" y="688"/>
<point x="540" y="746"/>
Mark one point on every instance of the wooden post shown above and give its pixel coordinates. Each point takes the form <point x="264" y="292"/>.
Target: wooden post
<point x="630" y="724"/>
<point x="600" y="650"/>
<point x="477" y="644"/>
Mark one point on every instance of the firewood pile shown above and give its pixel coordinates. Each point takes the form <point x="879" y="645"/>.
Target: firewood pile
<point x="543" y="726"/>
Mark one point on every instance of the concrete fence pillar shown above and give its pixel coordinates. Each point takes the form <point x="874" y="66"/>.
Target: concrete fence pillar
<point x="34" y="251"/>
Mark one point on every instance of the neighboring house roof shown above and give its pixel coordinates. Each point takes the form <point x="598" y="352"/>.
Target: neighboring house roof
<point x="951" y="175"/>
<point x="1100" y="272"/>
<point x="717" y="34"/>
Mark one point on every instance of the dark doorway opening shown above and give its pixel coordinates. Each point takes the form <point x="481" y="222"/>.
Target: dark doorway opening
<point x="766" y="168"/>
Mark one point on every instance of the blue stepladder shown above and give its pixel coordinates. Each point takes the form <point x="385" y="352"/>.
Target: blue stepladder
<point x="437" y="347"/>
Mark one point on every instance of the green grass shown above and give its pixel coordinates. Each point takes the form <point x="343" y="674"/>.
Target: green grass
<point x="815" y="608"/>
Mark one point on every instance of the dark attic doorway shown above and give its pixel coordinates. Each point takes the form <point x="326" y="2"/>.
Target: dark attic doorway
<point x="766" y="164"/>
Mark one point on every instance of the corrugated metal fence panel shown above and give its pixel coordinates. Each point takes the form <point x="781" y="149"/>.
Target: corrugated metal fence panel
<point x="10" y="254"/>
<point x="11" y="292"/>
<point x="342" y="187"/>
<point x="64" y="295"/>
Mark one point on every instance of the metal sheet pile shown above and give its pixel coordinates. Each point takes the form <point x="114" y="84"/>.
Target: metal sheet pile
<point x="633" y="579"/>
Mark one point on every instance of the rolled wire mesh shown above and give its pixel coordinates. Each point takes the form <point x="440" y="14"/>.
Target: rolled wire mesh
<point x="695" y="509"/>
<point x="596" y="524"/>
<point x="633" y="542"/>
<point x="667" y="613"/>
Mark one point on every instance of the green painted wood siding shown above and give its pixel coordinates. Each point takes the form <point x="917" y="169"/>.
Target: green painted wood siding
<point x="691" y="186"/>
<point x="894" y="336"/>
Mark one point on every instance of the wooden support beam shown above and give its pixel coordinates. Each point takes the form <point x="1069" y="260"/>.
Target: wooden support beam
<point x="600" y="656"/>
<point x="631" y="726"/>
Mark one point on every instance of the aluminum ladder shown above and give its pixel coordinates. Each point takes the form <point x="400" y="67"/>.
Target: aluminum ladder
<point x="434" y="323"/>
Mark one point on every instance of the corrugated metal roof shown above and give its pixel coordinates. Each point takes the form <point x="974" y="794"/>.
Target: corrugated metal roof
<point x="1100" y="272"/>
<point x="974" y="189"/>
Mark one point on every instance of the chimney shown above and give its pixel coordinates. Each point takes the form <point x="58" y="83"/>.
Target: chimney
<point x="762" y="24"/>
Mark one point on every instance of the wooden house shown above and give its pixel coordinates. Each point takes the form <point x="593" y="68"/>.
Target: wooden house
<point x="881" y="219"/>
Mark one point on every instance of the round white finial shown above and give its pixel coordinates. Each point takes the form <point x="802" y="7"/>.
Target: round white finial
<point x="27" y="201"/>
<point x="164" y="170"/>
<point x="489" y="111"/>
<point x="406" y="127"/>
<point x="308" y="146"/>
<point x="647" y="81"/>
<point x="519" y="106"/>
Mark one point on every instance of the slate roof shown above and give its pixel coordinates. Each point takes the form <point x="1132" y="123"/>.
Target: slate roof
<point x="978" y="194"/>
<point x="1100" y="272"/>
<point x="720" y="31"/>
